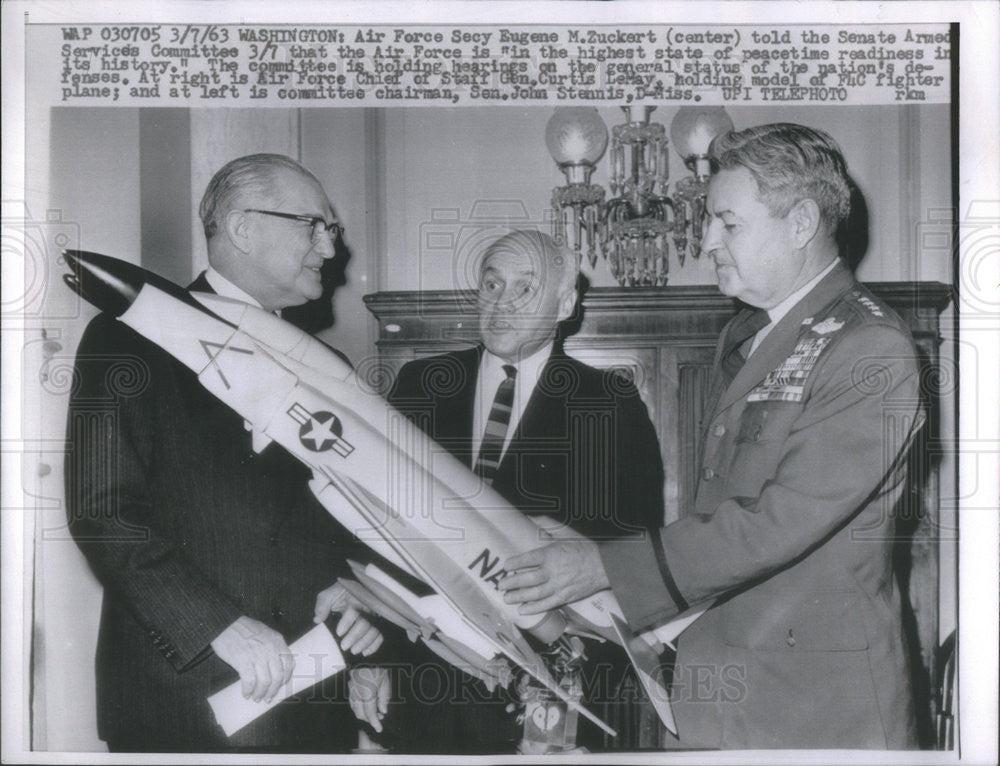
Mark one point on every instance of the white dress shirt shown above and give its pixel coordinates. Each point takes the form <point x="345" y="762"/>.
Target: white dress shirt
<point x="227" y="289"/>
<point x="490" y="376"/>
<point x="776" y="314"/>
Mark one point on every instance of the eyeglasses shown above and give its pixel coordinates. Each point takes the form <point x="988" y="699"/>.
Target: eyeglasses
<point x="320" y="227"/>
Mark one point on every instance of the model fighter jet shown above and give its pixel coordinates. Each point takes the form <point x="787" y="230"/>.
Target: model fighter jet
<point x="380" y="476"/>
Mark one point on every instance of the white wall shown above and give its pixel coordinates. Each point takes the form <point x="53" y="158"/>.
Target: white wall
<point x="221" y="135"/>
<point x="94" y="186"/>
<point x="336" y="145"/>
<point x="450" y="159"/>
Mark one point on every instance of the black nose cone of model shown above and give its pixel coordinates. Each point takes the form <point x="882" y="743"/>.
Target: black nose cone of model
<point x="112" y="284"/>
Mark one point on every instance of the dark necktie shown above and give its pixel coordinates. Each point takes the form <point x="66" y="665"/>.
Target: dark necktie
<point x="742" y="330"/>
<point x="496" y="427"/>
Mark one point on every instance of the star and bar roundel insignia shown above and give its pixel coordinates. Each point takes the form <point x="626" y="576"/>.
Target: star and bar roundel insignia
<point x="320" y="431"/>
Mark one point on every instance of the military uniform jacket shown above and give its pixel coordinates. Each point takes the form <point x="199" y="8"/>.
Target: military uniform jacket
<point x="792" y="533"/>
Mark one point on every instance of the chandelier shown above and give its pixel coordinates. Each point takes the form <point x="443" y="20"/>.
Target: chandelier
<point x="637" y="228"/>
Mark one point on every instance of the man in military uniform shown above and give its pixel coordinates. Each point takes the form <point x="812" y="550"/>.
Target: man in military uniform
<point x="814" y="400"/>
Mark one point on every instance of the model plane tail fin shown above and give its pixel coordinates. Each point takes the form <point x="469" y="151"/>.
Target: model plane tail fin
<point x="649" y="671"/>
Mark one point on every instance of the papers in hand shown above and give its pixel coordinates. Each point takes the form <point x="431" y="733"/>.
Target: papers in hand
<point x="317" y="657"/>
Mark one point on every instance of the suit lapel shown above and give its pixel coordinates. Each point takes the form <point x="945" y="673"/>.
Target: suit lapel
<point x="543" y="414"/>
<point x="453" y="414"/>
<point x="539" y="408"/>
<point x="780" y="342"/>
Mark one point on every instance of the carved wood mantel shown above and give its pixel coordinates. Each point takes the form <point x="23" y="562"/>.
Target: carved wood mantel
<point x="665" y="338"/>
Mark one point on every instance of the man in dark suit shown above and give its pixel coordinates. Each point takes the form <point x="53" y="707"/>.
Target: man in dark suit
<point x="815" y="400"/>
<point x="211" y="556"/>
<point x="578" y="447"/>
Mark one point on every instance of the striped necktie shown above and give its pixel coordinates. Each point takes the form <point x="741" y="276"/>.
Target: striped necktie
<point x="496" y="427"/>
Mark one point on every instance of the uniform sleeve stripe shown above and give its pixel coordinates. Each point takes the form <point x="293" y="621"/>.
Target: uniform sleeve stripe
<point x="668" y="578"/>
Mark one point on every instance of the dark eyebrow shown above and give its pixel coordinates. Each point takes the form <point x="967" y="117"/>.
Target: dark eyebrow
<point x="720" y="213"/>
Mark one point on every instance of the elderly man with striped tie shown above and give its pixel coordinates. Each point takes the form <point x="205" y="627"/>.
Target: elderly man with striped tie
<point x="553" y="436"/>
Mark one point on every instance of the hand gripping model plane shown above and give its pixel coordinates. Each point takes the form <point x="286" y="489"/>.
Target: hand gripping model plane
<point x="380" y="476"/>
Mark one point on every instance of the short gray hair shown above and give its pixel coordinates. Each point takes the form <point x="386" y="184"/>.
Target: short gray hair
<point x="254" y="173"/>
<point x="556" y="256"/>
<point x="790" y="163"/>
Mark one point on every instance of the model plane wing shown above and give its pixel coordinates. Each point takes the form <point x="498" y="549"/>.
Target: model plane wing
<point x="375" y="471"/>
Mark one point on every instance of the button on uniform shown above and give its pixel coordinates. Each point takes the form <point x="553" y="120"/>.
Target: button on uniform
<point x="719" y="430"/>
<point x="707" y="474"/>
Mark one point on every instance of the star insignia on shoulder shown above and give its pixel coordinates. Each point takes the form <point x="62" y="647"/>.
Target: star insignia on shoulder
<point x="827" y="326"/>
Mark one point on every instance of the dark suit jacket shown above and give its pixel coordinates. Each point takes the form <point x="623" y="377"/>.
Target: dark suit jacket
<point x="584" y="453"/>
<point x="793" y="528"/>
<point x="188" y="529"/>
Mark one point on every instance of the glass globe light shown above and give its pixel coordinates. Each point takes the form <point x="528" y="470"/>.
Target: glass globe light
<point x="694" y="127"/>
<point x="576" y="135"/>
